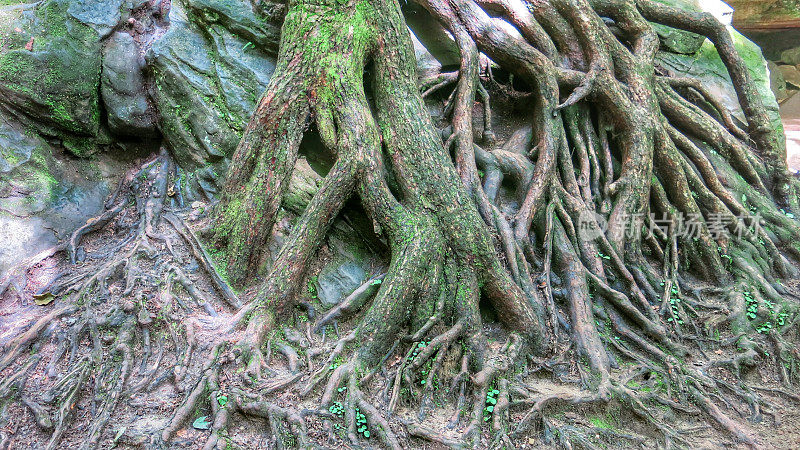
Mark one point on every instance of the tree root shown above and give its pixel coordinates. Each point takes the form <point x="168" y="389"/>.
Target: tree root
<point x="542" y="255"/>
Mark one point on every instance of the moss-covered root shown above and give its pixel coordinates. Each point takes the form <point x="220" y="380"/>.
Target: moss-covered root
<point x="612" y="140"/>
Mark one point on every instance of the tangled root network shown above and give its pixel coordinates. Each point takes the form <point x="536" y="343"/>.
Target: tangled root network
<point x="529" y="294"/>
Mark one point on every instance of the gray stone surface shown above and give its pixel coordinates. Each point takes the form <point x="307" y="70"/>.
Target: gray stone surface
<point x="123" y="88"/>
<point x="432" y="35"/>
<point x="791" y="75"/>
<point x="791" y="56"/>
<point x="348" y="269"/>
<point x="776" y="82"/>
<point x="43" y="194"/>
<point x="50" y="63"/>
<point x="207" y="80"/>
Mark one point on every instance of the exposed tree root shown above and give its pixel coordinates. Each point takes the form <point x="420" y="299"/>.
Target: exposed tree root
<point x="542" y="255"/>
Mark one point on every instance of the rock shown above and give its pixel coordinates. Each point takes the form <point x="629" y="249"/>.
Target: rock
<point x="123" y="88"/>
<point x="791" y="75"/>
<point x="679" y="41"/>
<point x="791" y="56"/>
<point x="100" y="15"/>
<point x="338" y="280"/>
<point x="707" y="66"/>
<point x="432" y="35"/>
<point x="777" y="82"/>
<point x="349" y="268"/>
<point x="427" y="65"/>
<point x="43" y="194"/>
<point x="55" y="82"/>
<point x="239" y="17"/>
<point x="208" y="79"/>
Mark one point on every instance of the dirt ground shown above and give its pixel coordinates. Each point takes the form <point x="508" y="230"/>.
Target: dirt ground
<point x="166" y="363"/>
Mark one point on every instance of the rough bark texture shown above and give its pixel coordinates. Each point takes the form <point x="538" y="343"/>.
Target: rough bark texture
<point x="477" y="230"/>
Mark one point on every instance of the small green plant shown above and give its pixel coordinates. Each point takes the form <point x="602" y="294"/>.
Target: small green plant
<point x="491" y="401"/>
<point x="601" y="255"/>
<point x="312" y="287"/>
<point x="764" y="327"/>
<point x="337" y="409"/>
<point x="600" y="423"/>
<point x="752" y="305"/>
<point x="417" y="349"/>
<point x="361" y="423"/>
<point x="674" y="301"/>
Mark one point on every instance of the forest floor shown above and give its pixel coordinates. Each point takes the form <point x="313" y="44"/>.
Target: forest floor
<point x="163" y="349"/>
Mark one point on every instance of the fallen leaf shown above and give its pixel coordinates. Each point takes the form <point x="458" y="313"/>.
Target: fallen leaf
<point x="201" y="423"/>
<point x="29" y="45"/>
<point x="44" y="299"/>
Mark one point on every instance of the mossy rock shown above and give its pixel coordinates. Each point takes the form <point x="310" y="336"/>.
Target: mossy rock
<point x="43" y="194"/>
<point x="707" y="66"/>
<point x="50" y="62"/>
<point x="208" y="75"/>
<point x="679" y="41"/>
<point x="123" y="88"/>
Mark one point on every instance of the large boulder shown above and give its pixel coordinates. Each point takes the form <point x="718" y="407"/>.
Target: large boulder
<point x="791" y="75"/>
<point x="209" y="70"/>
<point x="50" y="62"/>
<point x="707" y="66"/>
<point x="791" y="56"/>
<point x="679" y="41"/>
<point x="44" y="194"/>
<point x="777" y="82"/>
<point x="123" y="88"/>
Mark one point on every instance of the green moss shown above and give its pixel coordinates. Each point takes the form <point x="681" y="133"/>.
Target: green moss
<point x="57" y="81"/>
<point x="600" y="423"/>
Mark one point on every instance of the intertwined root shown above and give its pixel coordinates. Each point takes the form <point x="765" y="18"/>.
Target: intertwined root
<point x="614" y="139"/>
<point x="120" y="321"/>
<point x="621" y="318"/>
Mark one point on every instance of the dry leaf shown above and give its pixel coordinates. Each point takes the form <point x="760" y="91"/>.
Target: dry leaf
<point x="43" y="299"/>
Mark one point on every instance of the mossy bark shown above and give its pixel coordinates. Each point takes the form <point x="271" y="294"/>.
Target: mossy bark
<point x="610" y="136"/>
